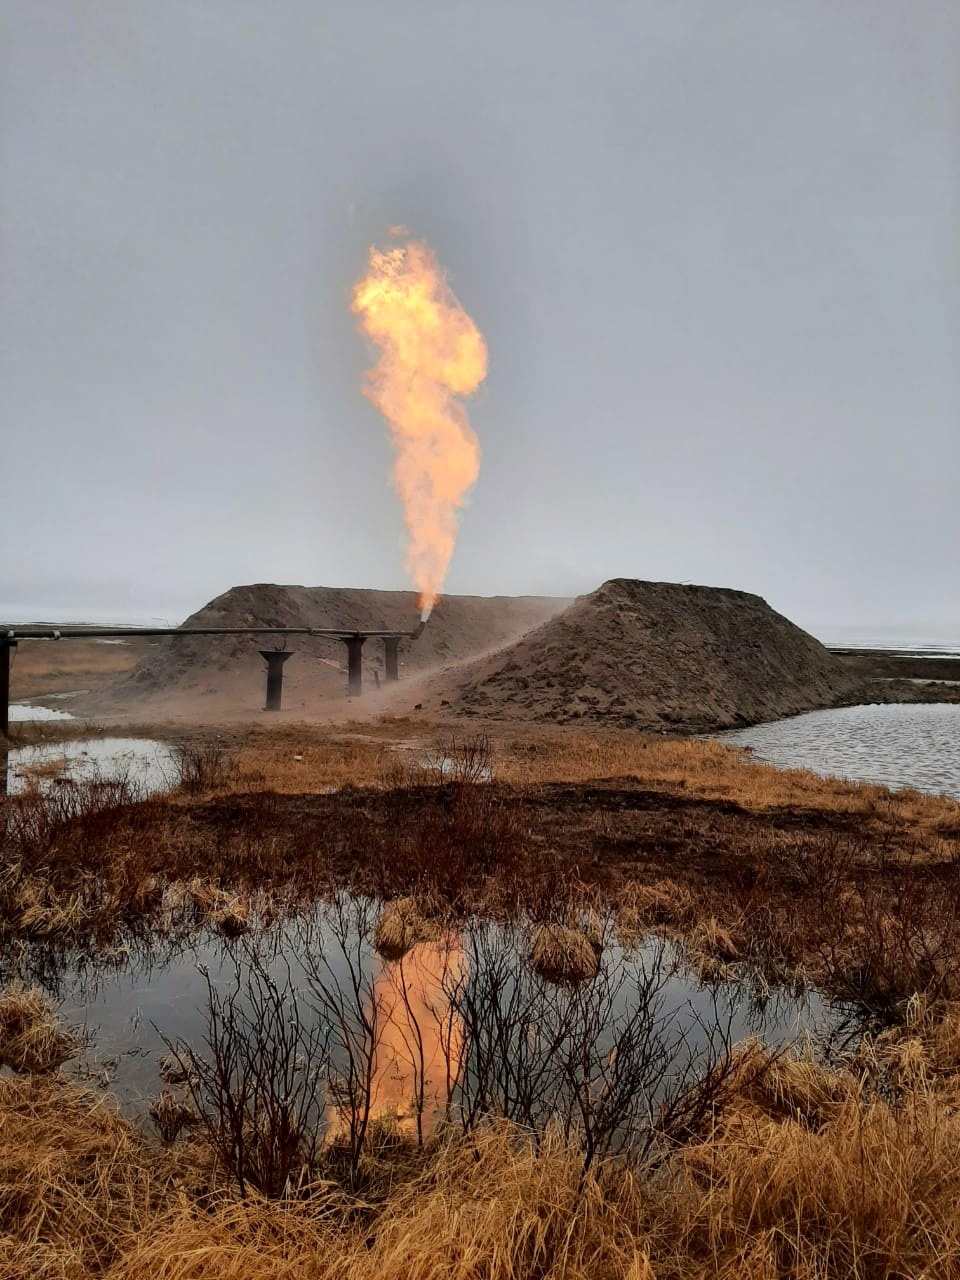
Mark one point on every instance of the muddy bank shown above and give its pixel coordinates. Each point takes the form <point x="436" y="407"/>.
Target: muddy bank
<point x="893" y="675"/>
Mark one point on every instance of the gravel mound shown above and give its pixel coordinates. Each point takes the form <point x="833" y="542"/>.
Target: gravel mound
<point x="657" y="655"/>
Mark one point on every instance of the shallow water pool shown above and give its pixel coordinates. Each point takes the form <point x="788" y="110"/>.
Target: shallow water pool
<point x="465" y="1014"/>
<point x="893" y="745"/>
<point x="22" y="713"/>
<point x="146" y="765"/>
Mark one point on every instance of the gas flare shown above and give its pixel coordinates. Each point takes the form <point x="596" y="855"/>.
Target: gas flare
<point x="431" y="356"/>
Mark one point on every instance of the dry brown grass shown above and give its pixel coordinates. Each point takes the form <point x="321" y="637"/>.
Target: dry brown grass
<point x="32" y="1039"/>
<point x="641" y="908"/>
<point x="55" y="666"/>
<point x="307" y="759"/>
<point x="801" y="1173"/>
<point x="711" y="938"/>
<point x="31" y="733"/>
<point x="229" y="913"/>
<point x="240" y="1240"/>
<point x="170" y="1114"/>
<point x="53" y="767"/>
<point x="499" y="1207"/>
<point x="860" y="1196"/>
<point x="855" y="885"/>
<point x="707" y="769"/>
<point x="76" y="1182"/>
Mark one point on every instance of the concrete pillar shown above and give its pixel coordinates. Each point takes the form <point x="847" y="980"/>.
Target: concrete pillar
<point x="6" y="653"/>
<point x="274" y="659"/>
<point x="391" y="658"/>
<point x="354" y="665"/>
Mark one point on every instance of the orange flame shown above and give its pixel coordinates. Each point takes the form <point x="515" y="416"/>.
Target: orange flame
<point x="431" y="353"/>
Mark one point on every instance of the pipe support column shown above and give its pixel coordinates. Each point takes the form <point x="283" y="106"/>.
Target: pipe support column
<point x="6" y="653"/>
<point x="391" y="657"/>
<point x="274" y="658"/>
<point x="354" y="665"/>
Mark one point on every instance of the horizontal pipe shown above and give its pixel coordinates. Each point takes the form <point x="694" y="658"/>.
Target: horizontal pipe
<point x="75" y="633"/>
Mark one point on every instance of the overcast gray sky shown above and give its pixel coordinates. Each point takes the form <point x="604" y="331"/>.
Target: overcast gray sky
<point x="714" y="247"/>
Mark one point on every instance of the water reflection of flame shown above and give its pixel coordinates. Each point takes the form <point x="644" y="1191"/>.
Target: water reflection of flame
<point x="419" y="1050"/>
<point x="418" y="1039"/>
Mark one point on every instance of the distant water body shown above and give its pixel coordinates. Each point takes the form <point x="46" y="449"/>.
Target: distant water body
<point x="896" y="745"/>
<point x="942" y="640"/>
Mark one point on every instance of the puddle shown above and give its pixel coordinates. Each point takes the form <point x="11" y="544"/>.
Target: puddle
<point x="449" y="769"/>
<point x="893" y="745"/>
<point x="468" y="765"/>
<point x="462" y="1023"/>
<point x="20" y="713"/>
<point x="148" y="766"/>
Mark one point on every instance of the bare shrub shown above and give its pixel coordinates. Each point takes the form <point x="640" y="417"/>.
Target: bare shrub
<point x="466" y="760"/>
<point x="204" y="766"/>
<point x="301" y="1074"/>
<point x="35" y="822"/>
<point x="594" y="1058"/>
<point x="446" y="841"/>
<point x="345" y="998"/>
<point x="258" y="1086"/>
<point x="690" y="1110"/>
<point x="908" y="940"/>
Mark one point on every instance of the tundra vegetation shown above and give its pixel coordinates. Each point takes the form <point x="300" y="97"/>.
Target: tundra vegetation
<point x="548" y="1127"/>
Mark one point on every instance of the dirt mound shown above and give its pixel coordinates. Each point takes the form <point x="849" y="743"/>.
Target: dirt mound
<point x="211" y="675"/>
<point x="656" y="655"/>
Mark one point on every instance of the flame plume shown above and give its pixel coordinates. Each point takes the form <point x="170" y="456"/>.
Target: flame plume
<point x="431" y="355"/>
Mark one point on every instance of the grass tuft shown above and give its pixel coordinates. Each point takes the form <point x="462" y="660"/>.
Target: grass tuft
<point x="31" y="1037"/>
<point x="561" y="954"/>
<point x="171" y="1115"/>
<point x="401" y="926"/>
